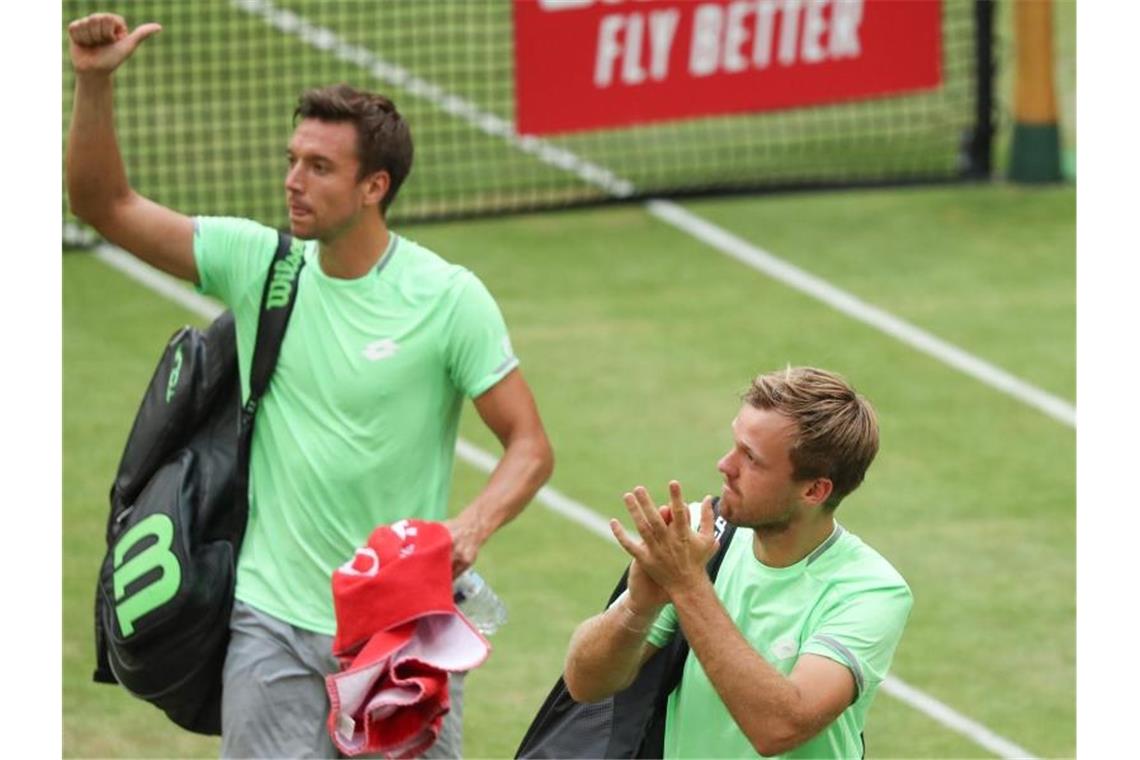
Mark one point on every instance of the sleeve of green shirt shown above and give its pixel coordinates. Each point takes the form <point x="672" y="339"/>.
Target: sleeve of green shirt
<point x="663" y="628"/>
<point x="479" y="352"/>
<point x="230" y="254"/>
<point x="862" y="633"/>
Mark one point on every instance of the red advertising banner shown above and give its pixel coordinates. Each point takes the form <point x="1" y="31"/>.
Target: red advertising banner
<point x="589" y="64"/>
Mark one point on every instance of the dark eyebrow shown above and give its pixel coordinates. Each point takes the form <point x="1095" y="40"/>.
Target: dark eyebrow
<point x="314" y="157"/>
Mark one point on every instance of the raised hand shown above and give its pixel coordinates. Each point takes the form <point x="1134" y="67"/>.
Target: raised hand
<point x="670" y="552"/>
<point x="644" y="592"/>
<point x="101" y="42"/>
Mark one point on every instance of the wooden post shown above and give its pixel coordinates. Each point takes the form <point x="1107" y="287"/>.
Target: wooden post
<point x="1036" y="152"/>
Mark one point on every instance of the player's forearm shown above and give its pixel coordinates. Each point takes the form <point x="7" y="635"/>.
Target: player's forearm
<point x="96" y="178"/>
<point x="526" y="464"/>
<point x="764" y="703"/>
<point x="607" y="651"/>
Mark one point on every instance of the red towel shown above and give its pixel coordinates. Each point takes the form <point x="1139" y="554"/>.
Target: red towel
<point x="398" y="635"/>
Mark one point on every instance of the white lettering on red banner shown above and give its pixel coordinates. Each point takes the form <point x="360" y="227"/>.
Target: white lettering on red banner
<point x="592" y="64"/>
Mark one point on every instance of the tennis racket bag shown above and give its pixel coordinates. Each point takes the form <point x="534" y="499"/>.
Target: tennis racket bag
<point x="631" y="723"/>
<point x="178" y="514"/>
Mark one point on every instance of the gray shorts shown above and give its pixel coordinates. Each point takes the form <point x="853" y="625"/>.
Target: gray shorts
<point x="274" y="702"/>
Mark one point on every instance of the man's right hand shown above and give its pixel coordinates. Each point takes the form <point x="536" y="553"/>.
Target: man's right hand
<point x="644" y="592"/>
<point x="101" y="42"/>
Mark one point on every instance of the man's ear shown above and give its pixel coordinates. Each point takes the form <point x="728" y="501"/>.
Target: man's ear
<point x="376" y="187"/>
<point x="819" y="491"/>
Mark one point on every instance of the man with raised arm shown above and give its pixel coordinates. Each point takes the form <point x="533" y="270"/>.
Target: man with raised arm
<point x="359" y="425"/>
<point x="790" y="644"/>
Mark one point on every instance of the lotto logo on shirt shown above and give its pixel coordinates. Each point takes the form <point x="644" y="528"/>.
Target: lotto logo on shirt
<point x="785" y="647"/>
<point x="380" y="349"/>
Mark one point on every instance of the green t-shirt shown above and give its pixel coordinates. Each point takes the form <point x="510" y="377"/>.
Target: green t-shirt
<point x="358" y="426"/>
<point x="843" y="601"/>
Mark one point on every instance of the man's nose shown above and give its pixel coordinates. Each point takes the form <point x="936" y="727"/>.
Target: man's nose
<point x="293" y="178"/>
<point x="725" y="464"/>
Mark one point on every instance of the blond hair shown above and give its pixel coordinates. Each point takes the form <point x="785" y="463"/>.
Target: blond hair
<point x="837" y="433"/>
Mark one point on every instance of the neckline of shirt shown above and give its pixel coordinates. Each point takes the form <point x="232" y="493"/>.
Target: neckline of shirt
<point x="801" y="566"/>
<point x="314" y="259"/>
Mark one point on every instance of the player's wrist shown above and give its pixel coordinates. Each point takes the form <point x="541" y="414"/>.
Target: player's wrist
<point x="636" y="618"/>
<point x="90" y="78"/>
<point x="690" y="589"/>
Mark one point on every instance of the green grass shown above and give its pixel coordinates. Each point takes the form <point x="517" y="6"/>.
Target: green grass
<point x="637" y="340"/>
<point x="983" y="257"/>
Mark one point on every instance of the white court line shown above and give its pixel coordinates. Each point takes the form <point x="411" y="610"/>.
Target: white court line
<point x="558" y="502"/>
<point x="858" y="309"/>
<point x="329" y="41"/>
<point x="549" y="497"/>
<point x="954" y="720"/>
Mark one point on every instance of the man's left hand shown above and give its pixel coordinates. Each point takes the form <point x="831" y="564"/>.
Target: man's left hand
<point x="466" y="541"/>
<point x="671" y="552"/>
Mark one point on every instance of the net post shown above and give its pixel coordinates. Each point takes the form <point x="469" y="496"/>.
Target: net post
<point x="1035" y="156"/>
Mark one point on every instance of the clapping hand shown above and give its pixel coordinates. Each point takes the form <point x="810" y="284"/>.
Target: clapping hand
<point x="670" y="552"/>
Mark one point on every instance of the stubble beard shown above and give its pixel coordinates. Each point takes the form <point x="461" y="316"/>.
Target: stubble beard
<point x="301" y="234"/>
<point x="772" y="528"/>
<point x="769" y="526"/>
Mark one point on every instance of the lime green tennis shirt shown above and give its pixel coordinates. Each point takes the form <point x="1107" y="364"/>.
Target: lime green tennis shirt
<point x="359" y="423"/>
<point x="843" y="601"/>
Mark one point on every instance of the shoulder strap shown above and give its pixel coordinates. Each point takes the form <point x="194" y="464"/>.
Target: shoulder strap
<point x="277" y="301"/>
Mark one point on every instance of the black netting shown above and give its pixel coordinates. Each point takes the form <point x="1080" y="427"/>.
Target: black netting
<point x="204" y="113"/>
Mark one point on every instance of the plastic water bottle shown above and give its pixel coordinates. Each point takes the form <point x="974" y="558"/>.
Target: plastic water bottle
<point x="479" y="602"/>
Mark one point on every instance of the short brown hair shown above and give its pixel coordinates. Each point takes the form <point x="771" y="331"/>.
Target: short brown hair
<point x="383" y="140"/>
<point x="837" y="433"/>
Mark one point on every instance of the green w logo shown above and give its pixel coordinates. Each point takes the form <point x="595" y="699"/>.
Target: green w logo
<point x="156" y="556"/>
<point x="284" y="273"/>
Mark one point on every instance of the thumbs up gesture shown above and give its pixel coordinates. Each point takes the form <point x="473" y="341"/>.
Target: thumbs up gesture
<point x="101" y="42"/>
